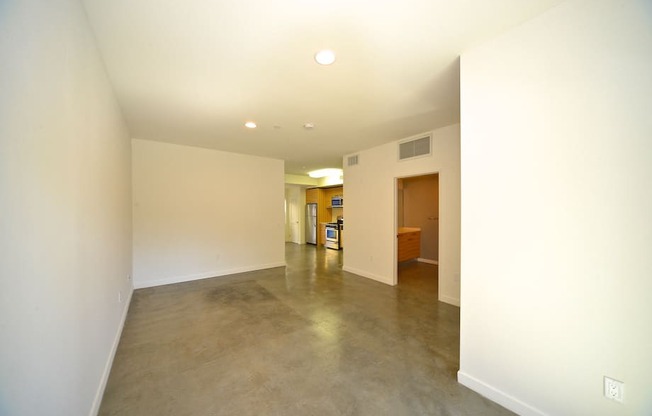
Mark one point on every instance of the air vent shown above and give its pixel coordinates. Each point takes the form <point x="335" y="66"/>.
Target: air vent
<point x="352" y="160"/>
<point x="414" y="148"/>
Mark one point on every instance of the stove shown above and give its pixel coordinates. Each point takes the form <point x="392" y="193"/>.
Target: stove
<point x="333" y="230"/>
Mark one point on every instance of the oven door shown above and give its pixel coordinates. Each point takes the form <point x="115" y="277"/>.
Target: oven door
<point x="332" y="234"/>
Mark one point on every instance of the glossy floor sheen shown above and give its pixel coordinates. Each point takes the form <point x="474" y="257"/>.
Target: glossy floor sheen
<point x="308" y="339"/>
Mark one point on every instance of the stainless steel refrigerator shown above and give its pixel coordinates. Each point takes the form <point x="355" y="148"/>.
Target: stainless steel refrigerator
<point x="311" y="223"/>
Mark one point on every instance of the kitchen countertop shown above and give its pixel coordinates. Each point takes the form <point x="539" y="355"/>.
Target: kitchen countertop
<point x="403" y="230"/>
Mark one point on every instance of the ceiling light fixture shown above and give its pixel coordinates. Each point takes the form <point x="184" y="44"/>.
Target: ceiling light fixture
<point x="325" y="172"/>
<point x="250" y="125"/>
<point x="325" y="57"/>
<point x="309" y="126"/>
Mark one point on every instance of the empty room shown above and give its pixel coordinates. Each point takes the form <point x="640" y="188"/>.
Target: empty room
<point x="221" y="208"/>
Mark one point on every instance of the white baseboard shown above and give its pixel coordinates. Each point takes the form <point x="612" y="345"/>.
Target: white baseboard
<point x="435" y="262"/>
<point x="368" y="275"/>
<point x="449" y="300"/>
<point x="109" y="363"/>
<point x="199" y="276"/>
<point x="498" y="396"/>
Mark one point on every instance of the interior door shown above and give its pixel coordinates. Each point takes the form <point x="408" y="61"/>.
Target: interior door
<point x="294" y="220"/>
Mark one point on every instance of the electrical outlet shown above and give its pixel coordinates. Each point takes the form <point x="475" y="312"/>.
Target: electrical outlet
<point x="614" y="389"/>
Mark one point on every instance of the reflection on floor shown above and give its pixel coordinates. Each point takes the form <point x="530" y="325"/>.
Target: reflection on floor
<point x="308" y="339"/>
<point x="414" y="275"/>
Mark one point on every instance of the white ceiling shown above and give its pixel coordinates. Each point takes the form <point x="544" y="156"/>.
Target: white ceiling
<point x="193" y="71"/>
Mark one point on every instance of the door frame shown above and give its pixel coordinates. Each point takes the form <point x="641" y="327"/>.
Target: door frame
<point x="395" y="235"/>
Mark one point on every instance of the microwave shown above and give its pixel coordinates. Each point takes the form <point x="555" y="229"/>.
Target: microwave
<point x="337" y="201"/>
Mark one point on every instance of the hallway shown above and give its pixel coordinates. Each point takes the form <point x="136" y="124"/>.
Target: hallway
<point x="308" y="339"/>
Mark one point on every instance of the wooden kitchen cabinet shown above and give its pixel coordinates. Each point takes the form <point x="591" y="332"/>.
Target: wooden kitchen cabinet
<point x="409" y="243"/>
<point x="325" y="213"/>
<point x="312" y="196"/>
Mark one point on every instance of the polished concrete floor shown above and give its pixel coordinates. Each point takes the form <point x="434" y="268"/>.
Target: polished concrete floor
<point x="308" y="339"/>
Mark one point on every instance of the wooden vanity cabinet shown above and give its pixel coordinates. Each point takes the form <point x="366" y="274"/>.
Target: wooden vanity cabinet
<point x="409" y="243"/>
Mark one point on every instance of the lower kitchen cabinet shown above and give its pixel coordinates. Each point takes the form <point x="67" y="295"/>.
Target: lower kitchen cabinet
<point x="322" y="234"/>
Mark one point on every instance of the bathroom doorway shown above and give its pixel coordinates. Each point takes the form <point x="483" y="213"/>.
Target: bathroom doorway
<point x="417" y="227"/>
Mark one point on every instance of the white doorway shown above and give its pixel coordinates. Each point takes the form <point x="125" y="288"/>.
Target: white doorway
<point x="417" y="208"/>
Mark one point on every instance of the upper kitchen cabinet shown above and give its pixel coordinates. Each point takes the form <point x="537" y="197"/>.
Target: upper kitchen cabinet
<point x="312" y="196"/>
<point x="330" y="193"/>
<point x="332" y="212"/>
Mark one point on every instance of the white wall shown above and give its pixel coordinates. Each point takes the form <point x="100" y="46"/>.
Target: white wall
<point x="557" y="211"/>
<point x="201" y="213"/>
<point x="371" y="210"/>
<point x="65" y="204"/>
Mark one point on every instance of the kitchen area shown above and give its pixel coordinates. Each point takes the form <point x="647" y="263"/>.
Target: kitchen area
<point x="324" y="221"/>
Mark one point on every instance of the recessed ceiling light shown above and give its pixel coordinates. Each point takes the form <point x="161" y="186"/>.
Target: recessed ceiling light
<point x="325" y="57"/>
<point x="250" y="125"/>
<point x="309" y="126"/>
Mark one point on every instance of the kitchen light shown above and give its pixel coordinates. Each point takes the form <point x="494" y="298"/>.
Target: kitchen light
<point x="250" y="125"/>
<point x="325" y="57"/>
<point x="325" y="172"/>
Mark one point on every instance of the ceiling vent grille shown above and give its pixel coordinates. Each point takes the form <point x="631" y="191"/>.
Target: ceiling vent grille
<point x="414" y="148"/>
<point x="352" y="160"/>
